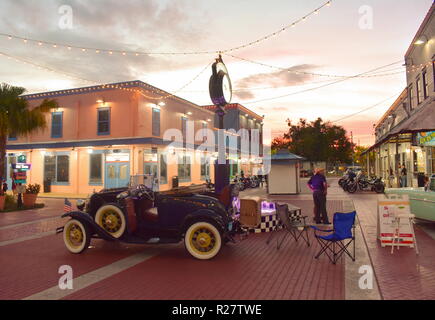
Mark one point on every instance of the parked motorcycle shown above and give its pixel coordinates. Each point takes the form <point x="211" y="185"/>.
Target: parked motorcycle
<point x="363" y="183"/>
<point x="255" y="182"/>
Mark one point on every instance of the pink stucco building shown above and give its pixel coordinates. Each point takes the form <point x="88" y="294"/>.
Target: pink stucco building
<point x="102" y="135"/>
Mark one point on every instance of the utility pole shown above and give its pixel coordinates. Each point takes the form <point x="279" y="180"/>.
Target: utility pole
<point x="353" y="149"/>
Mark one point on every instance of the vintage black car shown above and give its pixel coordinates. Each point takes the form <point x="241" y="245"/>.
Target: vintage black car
<point x="139" y="215"/>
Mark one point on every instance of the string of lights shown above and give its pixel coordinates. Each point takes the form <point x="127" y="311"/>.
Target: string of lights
<point x="244" y="89"/>
<point x="418" y="67"/>
<point x="322" y="86"/>
<point x="366" y="109"/>
<point x="274" y="34"/>
<point x="289" y="70"/>
<point x="114" y="86"/>
<point x="111" y="52"/>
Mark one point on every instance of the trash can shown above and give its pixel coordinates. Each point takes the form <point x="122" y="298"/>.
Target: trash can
<point x="47" y="185"/>
<point x="175" y="182"/>
<point x="420" y="179"/>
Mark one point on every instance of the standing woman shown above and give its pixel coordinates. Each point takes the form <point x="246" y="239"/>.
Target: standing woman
<point x="319" y="186"/>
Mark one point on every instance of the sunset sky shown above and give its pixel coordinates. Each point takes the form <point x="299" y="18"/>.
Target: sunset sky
<point x="330" y="42"/>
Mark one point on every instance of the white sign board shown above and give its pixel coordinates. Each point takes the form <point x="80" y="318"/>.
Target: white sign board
<point x="391" y="206"/>
<point x="117" y="157"/>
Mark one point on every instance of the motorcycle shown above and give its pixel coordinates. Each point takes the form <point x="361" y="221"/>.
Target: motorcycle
<point x="362" y="183"/>
<point x="255" y="182"/>
<point x="347" y="180"/>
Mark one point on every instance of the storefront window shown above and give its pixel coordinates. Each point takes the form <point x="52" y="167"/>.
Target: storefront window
<point x="62" y="168"/>
<point x="432" y="160"/>
<point x="184" y="168"/>
<point x="95" y="168"/>
<point x="56" y="168"/>
<point x="418" y="161"/>
<point x="205" y="167"/>
<point x="50" y="168"/>
<point x="163" y="170"/>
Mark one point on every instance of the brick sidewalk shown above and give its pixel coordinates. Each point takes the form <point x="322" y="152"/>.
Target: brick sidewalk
<point x="52" y="208"/>
<point x="403" y="274"/>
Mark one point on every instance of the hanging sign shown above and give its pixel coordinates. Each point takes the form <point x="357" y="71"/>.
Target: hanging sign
<point x="426" y="138"/>
<point x="21" y="166"/>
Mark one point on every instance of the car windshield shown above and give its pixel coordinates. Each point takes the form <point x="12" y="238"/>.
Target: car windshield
<point x="145" y="179"/>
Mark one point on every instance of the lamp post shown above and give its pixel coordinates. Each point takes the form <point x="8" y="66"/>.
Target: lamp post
<point x="220" y="93"/>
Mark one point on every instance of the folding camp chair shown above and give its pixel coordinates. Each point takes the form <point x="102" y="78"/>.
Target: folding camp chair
<point x="339" y="238"/>
<point x="293" y="224"/>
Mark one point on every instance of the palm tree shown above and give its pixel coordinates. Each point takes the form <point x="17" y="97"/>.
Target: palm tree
<point x="17" y="118"/>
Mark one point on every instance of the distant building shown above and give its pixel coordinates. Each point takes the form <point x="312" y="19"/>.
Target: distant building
<point x="406" y="132"/>
<point x="238" y="117"/>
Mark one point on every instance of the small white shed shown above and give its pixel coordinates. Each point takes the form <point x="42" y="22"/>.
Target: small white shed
<point x="284" y="175"/>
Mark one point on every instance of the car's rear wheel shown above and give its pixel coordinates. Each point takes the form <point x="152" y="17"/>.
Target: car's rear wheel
<point x="76" y="236"/>
<point x="111" y="219"/>
<point x="203" y="240"/>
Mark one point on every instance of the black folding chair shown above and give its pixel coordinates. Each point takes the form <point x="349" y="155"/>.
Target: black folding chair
<point x="339" y="238"/>
<point x="293" y="224"/>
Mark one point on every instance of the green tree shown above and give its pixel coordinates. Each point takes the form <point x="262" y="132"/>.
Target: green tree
<point x="18" y="118"/>
<point x="317" y="141"/>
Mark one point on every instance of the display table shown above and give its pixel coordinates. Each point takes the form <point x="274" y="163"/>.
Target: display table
<point x="269" y="219"/>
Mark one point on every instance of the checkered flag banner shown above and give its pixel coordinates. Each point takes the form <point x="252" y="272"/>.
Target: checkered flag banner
<point x="67" y="207"/>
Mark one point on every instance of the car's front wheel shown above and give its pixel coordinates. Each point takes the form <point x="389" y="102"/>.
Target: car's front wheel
<point x="203" y="240"/>
<point x="76" y="236"/>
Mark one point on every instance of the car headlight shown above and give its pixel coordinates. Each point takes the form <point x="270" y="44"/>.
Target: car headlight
<point x="80" y="204"/>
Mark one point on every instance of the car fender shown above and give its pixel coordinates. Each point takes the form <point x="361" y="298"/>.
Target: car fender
<point x="204" y="215"/>
<point x="94" y="228"/>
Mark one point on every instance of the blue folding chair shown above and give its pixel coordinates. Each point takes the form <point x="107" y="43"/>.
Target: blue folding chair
<point x="339" y="238"/>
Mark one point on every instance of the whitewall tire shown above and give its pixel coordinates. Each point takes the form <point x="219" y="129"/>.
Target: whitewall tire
<point x="203" y="240"/>
<point x="76" y="236"/>
<point x="111" y="219"/>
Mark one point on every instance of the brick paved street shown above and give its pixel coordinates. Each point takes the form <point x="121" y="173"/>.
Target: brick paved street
<point x="247" y="270"/>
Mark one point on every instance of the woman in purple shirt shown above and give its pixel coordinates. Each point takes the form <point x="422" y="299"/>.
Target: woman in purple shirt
<point x="319" y="186"/>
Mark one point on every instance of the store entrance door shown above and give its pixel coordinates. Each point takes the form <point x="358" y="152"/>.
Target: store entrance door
<point x="117" y="174"/>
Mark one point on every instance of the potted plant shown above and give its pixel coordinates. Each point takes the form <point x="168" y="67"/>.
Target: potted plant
<point x="29" y="198"/>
